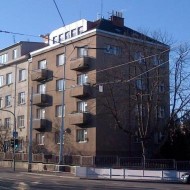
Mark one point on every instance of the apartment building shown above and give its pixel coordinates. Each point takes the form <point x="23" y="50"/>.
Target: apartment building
<point x="14" y="72"/>
<point x="109" y="82"/>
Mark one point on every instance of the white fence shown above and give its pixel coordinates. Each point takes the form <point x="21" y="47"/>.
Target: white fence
<point x="105" y="173"/>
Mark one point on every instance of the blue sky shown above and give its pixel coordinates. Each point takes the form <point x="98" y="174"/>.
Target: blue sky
<point x="37" y="17"/>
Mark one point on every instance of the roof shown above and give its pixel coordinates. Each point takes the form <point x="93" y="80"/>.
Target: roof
<point x="108" y="26"/>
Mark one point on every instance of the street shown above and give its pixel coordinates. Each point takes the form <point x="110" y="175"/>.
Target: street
<point x="21" y="180"/>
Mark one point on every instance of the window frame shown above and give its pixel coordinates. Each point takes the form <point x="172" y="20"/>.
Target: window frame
<point x="40" y="138"/>
<point x="8" y="100"/>
<point x="20" y="123"/>
<point x="21" y="98"/>
<point x="60" y="59"/>
<point x="40" y="113"/>
<point x="1" y="80"/>
<point x="81" y="135"/>
<point x="42" y="64"/>
<point x="82" y="107"/>
<point x="7" y="122"/>
<point x="22" y="75"/>
<point x="58" y="111"/>
<point x="60" y="85"/>
<point x="41" y="88"/>
<point x="8" y="78"/>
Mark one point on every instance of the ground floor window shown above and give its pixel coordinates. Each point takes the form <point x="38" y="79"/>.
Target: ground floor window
<point x="81" y="135"/>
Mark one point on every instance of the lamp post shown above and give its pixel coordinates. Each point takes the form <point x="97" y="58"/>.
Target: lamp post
<point x="62" y="115"/>
<point x="14" y="135"/>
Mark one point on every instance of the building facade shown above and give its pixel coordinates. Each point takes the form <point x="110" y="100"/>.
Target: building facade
<point x="14" y="70"/>
<point x="110" y="84"/>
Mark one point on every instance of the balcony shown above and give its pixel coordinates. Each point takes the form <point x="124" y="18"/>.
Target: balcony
<point x="40" y="75"/>
<point x="39" y="124"/>
<point x="42" y="100"/>
<point x="78" y="118"/>
<point x="80" y="91"/>
<point x="80" y="63"/>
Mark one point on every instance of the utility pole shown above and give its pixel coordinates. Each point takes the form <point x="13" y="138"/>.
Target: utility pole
<point x="14" y="113"/>
<point x="30" y="135"/>
<point x="62" y="116"/>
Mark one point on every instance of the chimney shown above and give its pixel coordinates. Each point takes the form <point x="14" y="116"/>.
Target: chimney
<point x="117" y="19"/>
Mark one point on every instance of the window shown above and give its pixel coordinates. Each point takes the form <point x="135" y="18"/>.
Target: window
<point x="80" y="30"/>
<point x="139" y="57"/>
<point x="15" y="55"/>
<point x="21" y="98"/>
<point x="160" y="112"/>
<point x="67" y="35"/>
<point x="41" y="88"/>
<point x="155" y="60"/>
<point x="81" y="106"/>
<point x="61" y="38"/>
<point x="22" y="74"/>
<point x="1" y="102"/>
<point x="41" y="113"/>
<point x="8" y="78"/>
<point x="82" y="51"/>
<point x="8" y="100"/>
<point x="1" y="124"/>
<point x="73" y="33"/>
<point x="60" y="59"/>
<point x="60" y="85"/>
<point x="140" y="85"/>
<point x="82" y="79"/>
<point x="20" y="121"/>
<point x="161" y="88"/>
<point x="7" y="122"/>
<point x="42" y="64"/>
<point x="140" y="110"/>
<point x="57" y="138"/>
<point x="4" y="58"/>
<point x="58" y="110"/>
<point x="114" y="50"/>
<point x="40" y="138"/>
<point x="55" y="39"/>
<point x="81" y="135"/>
<point x="1" y="80"/>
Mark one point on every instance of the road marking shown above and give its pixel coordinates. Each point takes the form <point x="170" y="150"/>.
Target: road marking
<point x="22" y="186"/>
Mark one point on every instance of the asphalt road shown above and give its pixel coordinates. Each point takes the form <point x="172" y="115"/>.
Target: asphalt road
<point x="21" y="180"/>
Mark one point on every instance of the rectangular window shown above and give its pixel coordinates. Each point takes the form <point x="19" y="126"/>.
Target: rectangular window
<point x="1" y="124"/>
<point x="61" y="38"/>
<point x="80" y="30"/>
<point x="161" y="88"/>
<point x="41" y="113"/>
<point x="60" y="59"/>
<point x="22" y="74"/>
<point x="8" y="100"/>
<point x="114" y="50"/>
<point x="55" y="39"/>
<point x="41" y="88"/>
<point x="82" y="79"/>
<point x="73" y="33"/>
<point x="57" y="138"/>
<point x="160" y="112"/>
<point x="4" y="58"/>
<point x="20" y="121"/>
<point x="15" y="55"/>
<point x="1" y="80"/>
<point x="81" y="135"/>
<point x="155" y="60"/>
<point x="82" y="51"/>
<point x="42" y="64"/>
<point x="140" y="85"/>
<point x="1" y="102"/>
<point x="140" y="110"/>
<point x="60" y="85"/>
<point x="7" y="122"/>
<point x="58" y="110"/>
<point x="21" y="98"/>
<point x="67" y="35"/>
<point x="8" y="78"/>
<point x="138" y="56"/>
<point x="40" y="137"/>
<point x="81" y="106"/>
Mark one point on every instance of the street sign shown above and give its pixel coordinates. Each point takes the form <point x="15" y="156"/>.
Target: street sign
<point x="15" y="134"/>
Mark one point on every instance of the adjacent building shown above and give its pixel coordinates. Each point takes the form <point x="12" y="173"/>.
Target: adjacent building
<point x="14" y="80"/>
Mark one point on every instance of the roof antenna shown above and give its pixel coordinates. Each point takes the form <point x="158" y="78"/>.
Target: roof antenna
<point x="101" y="13"/>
